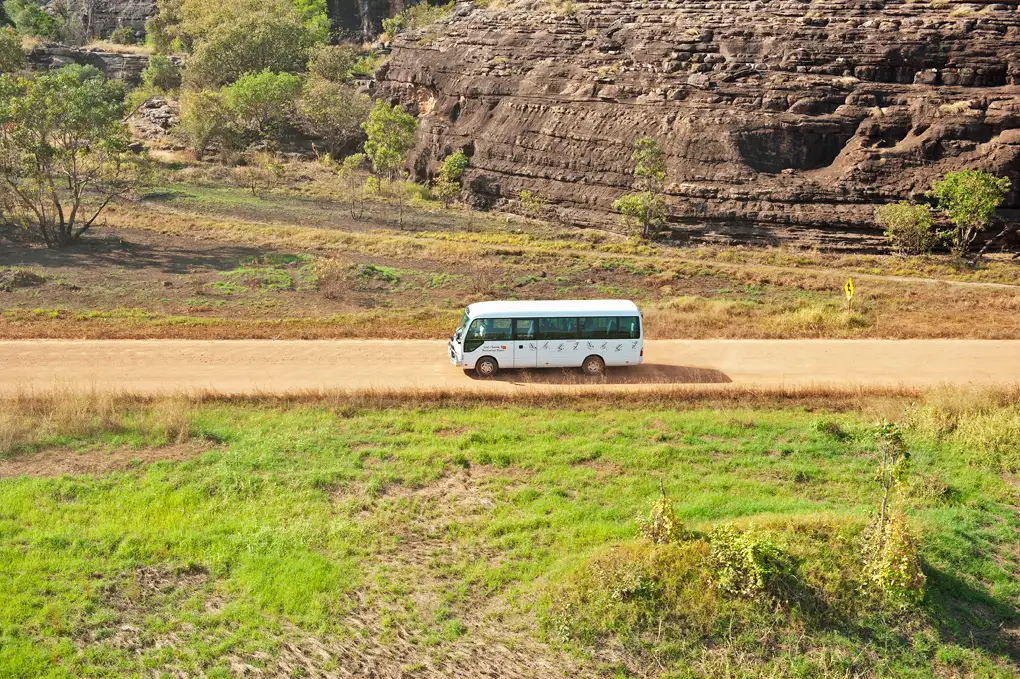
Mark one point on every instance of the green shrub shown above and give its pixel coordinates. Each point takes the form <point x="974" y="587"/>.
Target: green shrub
<point x="332" y="111"/>
<point x="447" y="184"/>
<point x="969" y="198"/>
<point x="662" y="526"/>
<point x="261" y="104"/>
<point x="123" y="36"/>
<point x="748" y="563"/>
<point x="12" y="57"/>
<point x="334" y="63"/>
<point x="895" y="567"/>
<point x="229" y="40"/>
<point x="29" y="18"/>
<point x="909" y="229"/>
<point x="161" y="75"/>
<point x="633" y="588"/>
<point x="203" y="120"/>
<point x="415" y="18"/>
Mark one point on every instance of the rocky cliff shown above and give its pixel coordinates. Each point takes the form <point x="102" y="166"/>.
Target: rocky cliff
<point x="126" y="67"/>
<point x="782" y="119"/>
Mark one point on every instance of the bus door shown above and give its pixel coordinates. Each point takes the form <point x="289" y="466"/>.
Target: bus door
<point x="525" y="344"/>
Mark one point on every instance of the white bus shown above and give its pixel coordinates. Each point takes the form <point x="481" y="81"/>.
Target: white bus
<point x="560" y="334"/>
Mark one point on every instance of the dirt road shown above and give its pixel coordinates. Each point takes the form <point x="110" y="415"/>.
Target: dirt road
<point x="248" y="366"/>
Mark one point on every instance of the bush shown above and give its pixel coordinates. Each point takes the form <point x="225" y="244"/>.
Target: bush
<point x="204" y="119"/>
<point x="233" y="38"/>
<point x="12" y="57"/>
<point x="123" y="36"/>
<point x="748" y="564"/>
<point x="645" y="210"/>
<point x="335" y="63"/>
<point x="261" y="104"/>
<point x="29" y="18"/>
<point x="633" y="589"/>
<point x="415" y="18"/>
<point x="333" y="112"/>
<point x="161" y="75"/>
<point x="895" y="567"/>
<point x="910" y="229"/>
<point x="532" y="203"/>
<point x="447" y="184"/>
<point x="662" y="527"/>
<point x="63" y="129"/>
<point x="390" y="134"/>
<point x="969" y="198"/>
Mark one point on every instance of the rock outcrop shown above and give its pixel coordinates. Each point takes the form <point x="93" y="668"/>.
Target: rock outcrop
<point x="126" y="67"/>
<point x="783" y="120"/>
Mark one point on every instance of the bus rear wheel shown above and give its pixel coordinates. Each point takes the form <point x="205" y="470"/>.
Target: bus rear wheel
<point x="594" y="366"/>
<point x="486" y="367"/>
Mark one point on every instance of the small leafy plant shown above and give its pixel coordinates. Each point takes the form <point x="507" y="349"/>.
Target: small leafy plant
<point x="662" y="527"/>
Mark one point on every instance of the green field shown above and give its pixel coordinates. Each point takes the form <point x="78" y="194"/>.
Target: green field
<point x="218" y="539"/>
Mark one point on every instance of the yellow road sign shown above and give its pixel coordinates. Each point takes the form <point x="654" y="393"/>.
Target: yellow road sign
<point x="849" y="288"/>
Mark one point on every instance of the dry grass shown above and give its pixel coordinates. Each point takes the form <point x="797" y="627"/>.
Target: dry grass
<point x="987" y="419"/>
<point x="118" y="48"/>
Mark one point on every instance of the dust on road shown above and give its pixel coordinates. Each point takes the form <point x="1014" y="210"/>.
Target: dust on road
<point x="252" y="366"/>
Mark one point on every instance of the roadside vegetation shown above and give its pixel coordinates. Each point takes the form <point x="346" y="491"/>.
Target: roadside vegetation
<point x="655" y="534"/>
<point x="323" y="254"/>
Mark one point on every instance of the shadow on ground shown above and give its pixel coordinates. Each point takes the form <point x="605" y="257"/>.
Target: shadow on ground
<point x="648" y="373"/>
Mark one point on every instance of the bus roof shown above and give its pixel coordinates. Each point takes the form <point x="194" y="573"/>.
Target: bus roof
<point x="540" y="309"/>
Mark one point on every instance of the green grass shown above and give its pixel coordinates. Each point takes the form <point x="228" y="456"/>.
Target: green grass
<point x="422" y="529"/>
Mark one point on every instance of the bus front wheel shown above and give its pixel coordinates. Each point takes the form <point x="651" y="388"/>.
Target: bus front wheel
<point x="593" y="366"/>
<point x="486" y="367"/>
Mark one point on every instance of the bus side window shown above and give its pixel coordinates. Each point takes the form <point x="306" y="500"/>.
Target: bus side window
<point x="557" y="328"/>
<point x="524" y="329"/>
<point x="626" y="327"/>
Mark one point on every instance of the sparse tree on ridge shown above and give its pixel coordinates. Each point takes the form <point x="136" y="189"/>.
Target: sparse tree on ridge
<point x="646" y="208"/>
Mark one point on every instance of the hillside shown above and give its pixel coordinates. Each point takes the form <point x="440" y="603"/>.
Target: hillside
<point x="782" y="120"/>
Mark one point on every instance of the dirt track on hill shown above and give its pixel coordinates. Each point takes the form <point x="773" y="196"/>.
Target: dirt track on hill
<point x="253" y="366"/>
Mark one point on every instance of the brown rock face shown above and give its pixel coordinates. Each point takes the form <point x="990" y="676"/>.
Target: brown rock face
<point x="782" y="120"/>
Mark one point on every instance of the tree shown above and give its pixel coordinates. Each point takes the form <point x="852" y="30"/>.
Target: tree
<point x="533" y="203"/>
<point x="261" y="104"/>
<point x="645" y="208"/>
<point x="334" y="63"/>
<point x="63" y="151"/>
<point x="333" y="112"/>
<point x="447" y="184"/>
<point x="968" y="198"/>
<point x="12" y="57"/>
<point x="649" y="164"/>
<point x="161" y="75"/>
<point x="230" y="38"/>
<point x="390" y="137"/>
<point x="910" y="229"/>
<point x="890" y="550"/>
<point x="350" y="175"/>
<point x="203" y="119"/>
<point x="261" y="171"/>
<point x="29" y="18"/>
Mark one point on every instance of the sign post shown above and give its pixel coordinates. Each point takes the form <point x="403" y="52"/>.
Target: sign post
<point x="848" y="290"/>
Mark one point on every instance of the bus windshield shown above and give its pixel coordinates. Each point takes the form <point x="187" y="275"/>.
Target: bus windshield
<point x="458" y="334"/>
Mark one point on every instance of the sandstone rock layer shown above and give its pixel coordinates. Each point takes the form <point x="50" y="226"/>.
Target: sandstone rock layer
<point x="782" y="120"/>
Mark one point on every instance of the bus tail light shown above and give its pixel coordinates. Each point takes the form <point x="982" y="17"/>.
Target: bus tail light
<point x="642" y="352"/>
